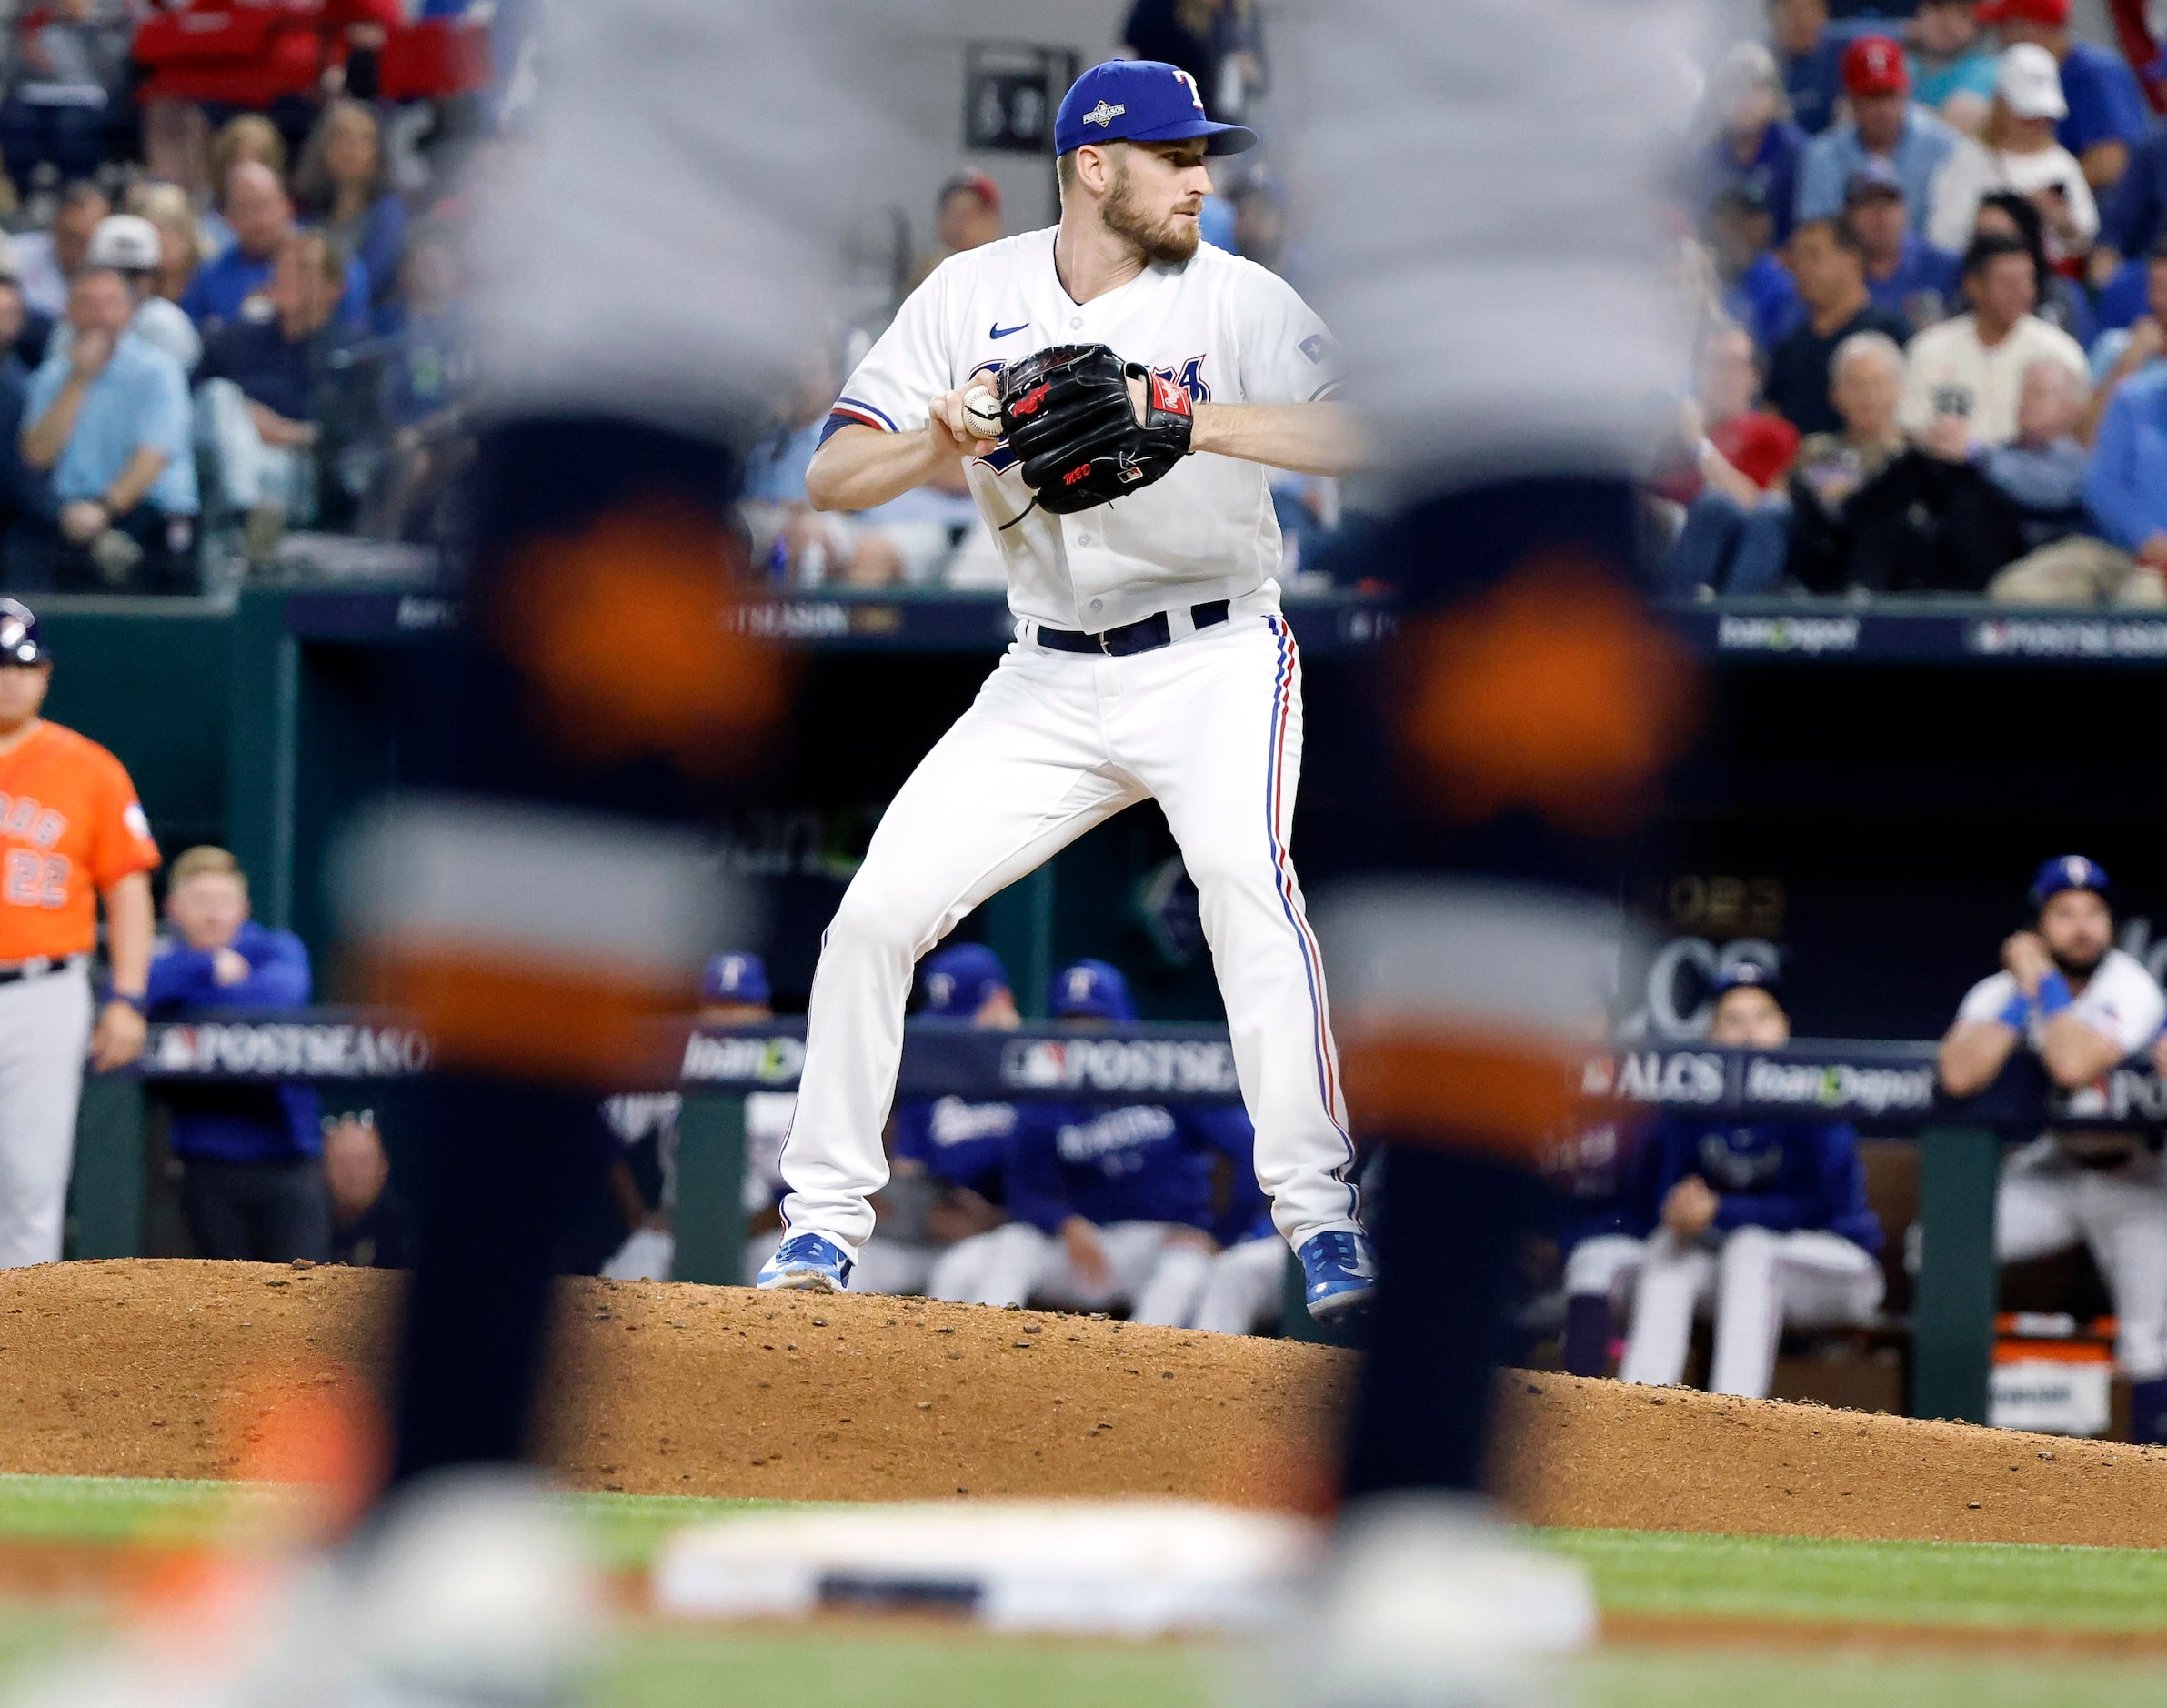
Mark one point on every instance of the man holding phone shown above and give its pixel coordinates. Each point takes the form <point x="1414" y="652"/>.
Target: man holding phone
<point x="1966" y="374"/>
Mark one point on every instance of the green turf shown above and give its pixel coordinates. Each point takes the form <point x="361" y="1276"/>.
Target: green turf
<point x="2010" y="1588"/>
<point x="1899" y="1583"/>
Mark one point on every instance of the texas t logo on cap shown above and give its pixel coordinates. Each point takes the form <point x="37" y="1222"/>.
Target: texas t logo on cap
<point x="1141" y="100"/>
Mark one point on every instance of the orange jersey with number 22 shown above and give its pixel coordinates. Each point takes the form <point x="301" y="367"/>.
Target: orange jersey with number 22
<point x="70" y="827"/>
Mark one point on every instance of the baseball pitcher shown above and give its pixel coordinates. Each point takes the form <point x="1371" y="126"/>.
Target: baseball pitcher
<point x="1144" y="383"/>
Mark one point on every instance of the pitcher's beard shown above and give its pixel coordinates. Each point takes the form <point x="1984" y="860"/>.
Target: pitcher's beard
<point x="2072" y="968"/>
<point x="1167" y="243"/>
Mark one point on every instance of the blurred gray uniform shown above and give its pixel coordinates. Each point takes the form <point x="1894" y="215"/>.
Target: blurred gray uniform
<point x="677" y="267"/>
<point x="1500" y="300"/>
<point x="1507" y="313"/>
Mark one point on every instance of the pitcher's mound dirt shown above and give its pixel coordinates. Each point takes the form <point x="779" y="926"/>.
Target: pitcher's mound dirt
<point x="122" y="1369"/>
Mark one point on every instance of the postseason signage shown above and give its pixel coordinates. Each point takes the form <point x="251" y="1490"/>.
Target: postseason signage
<point x="1889" y="1086"/>
<point x="314" y="1045"/>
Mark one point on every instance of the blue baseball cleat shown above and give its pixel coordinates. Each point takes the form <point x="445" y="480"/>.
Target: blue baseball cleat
<point x="807" y="1262"/>
<point x="1339" y="1274"/>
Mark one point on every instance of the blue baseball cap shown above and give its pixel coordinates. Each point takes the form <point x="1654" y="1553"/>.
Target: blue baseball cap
<point x="19" y="643"/>
<point x="1090" y="990"/>
<point x="1141" y="100"/>
<point x="2068" y="871"/>
<point x="1750" y="975"/>
<point x="735" y="978"/>
<point x="959" y="981"/>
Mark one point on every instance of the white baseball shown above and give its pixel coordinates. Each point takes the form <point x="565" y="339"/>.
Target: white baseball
<point x="981" y="412"/>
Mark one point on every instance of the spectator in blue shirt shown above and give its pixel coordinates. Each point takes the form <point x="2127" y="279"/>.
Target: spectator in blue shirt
<point x="342" y="185"/>
<point x="427" y="380"/>
<point x="230" y="286"/>
<point x="2132" y="219"/>
<point x="263" y="397"/>
<point x="1885" y="122"/>
<point x="252" y="1180"/>
<point x="2108" y="117"/>
<point x="23" y="491"/>
<point x="1905" y="275"/>
<point x="1751" y="138"/>
<point x="2126" y="351"/>
<point x="109" y="418"/>
<point x="1759" y="292"/>
<point x="1952" y="67"/>
<point x="1813" y="60"/>
<point x="1767" y="1220"/>
<point x="2127" y="488"/>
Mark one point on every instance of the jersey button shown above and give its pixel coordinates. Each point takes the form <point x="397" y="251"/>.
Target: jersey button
<point x="1076" y="323"/>
<point x="1083" y="539"/>
<point x="1095" y="604"/>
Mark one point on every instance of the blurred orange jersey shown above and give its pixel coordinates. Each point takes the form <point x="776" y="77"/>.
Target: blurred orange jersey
<point x="70" y="826"/>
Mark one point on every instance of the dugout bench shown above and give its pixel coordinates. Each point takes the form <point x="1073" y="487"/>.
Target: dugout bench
<point x="1886" y="1088"/>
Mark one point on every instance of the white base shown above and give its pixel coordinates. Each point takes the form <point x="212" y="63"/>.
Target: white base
<point x="1125" y="1568"/>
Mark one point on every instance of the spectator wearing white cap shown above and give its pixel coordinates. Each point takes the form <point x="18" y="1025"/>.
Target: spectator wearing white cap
<point x="2016" y="150"/>
<point x="131" y="247"/>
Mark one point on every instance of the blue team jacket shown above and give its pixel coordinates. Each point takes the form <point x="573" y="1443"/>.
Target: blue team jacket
<point x="957" y="1143"/>
<point x="1784" y="1175"/>
<point x="1134" y="1162"/>
<point x="237" y="1123"/>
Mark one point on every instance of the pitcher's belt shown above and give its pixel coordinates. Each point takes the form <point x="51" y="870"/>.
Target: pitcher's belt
<point x="1146" y="635"/>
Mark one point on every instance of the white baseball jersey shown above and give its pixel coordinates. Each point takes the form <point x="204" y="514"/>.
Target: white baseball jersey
<point x="2121" y="1000"/>
<point x="1222" y="329"/>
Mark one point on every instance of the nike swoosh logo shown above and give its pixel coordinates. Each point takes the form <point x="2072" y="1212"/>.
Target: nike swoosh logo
<point x="1001" y="331"/>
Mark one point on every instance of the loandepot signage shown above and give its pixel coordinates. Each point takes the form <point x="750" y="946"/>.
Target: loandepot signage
<point x="1812" y="634"/>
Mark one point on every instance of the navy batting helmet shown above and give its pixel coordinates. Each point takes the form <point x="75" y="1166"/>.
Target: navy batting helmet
<point x="2068" y="871"/>
<point x="19" y="643"/>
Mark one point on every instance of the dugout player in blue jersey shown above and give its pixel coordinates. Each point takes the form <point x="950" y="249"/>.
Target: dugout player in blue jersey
<point x="1111" y="1204"/>
<point x="947" y="1157"/>
<point x="1767" y="1221"/>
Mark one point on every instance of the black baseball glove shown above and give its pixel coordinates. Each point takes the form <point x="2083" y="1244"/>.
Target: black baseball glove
<point x="1067" y="415"/>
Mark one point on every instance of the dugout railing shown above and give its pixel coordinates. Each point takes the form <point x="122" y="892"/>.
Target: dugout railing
<point x="1885" y="1089"/>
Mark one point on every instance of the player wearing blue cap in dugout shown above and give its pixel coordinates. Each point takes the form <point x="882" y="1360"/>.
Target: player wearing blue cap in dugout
<point x="1109" y="1204"/>
<point x="2080" y="1005"/>
<point x="947" y="1156"/>
<point x="1765" y="1220"/>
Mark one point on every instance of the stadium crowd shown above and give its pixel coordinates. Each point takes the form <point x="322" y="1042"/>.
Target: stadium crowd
<point x="1925" y="259"/>
<point x="1929" y="268"/>
<point x="230" y="297"/>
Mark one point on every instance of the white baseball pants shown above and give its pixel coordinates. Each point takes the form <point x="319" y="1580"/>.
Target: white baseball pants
<point x="45" y="1028"/>
<point x="1758" y="1279"/>
<point x="1604" y="1265"/>
<point x="1245" y="1286"/>
<point x="1156" y="1269"/>
<point x="2047" y="1203"/>
<point x="1057" y="742"/>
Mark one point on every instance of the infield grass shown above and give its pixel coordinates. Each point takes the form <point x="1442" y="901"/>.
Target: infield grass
<point x="1952" y="1586"/>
